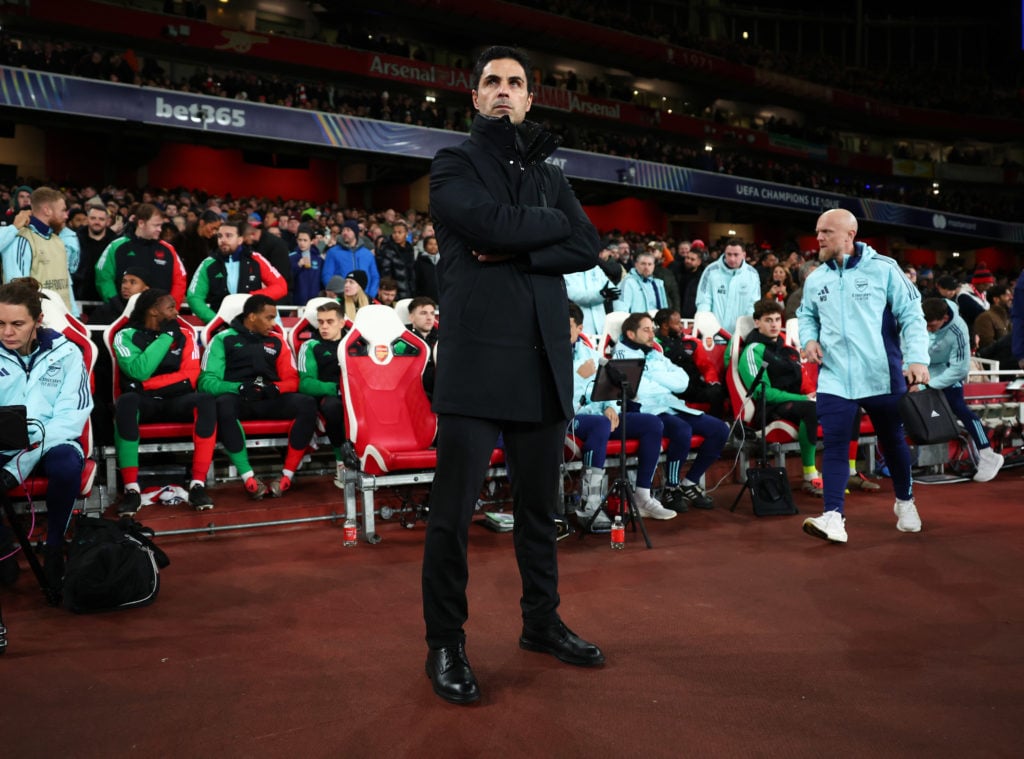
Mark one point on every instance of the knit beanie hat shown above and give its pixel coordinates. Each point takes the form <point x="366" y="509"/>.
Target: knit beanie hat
<point x="982" y="276"/>
<point x="359" y="276"/>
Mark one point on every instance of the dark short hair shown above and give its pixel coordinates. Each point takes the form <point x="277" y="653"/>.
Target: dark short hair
<point x="387" y="283"/>
<point x="768" y="306"/>
<point x="496" y="52"/>
<point x="330" y="306"/>
<point x="934" y="309"/>
<point x="255" y="304"/>
<point x="632" y="322"/>
<point x="420" y="301"/>
<point x="209" y="215"/>
<point x="663" y="315"/>
<point x="146" y="211"/>
<point x="997" y="291"/>
<point x="947" y="282"/>
<point x="576" y="314"/>
<point x="238" y="221"/>
<point x="146" y="300"/>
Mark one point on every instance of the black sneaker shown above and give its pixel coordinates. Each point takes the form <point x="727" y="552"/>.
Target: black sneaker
<point x="672" y="497"/>
<point x="131" y="504"/>
<point x="562" y="529"/>
<point x="198" y="498"/>
<point x="697" y="497"/>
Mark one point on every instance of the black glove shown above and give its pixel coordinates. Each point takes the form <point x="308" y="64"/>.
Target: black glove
<point x="131" y="386"/>
<point x="270" y="390"/>
<point x="611" y="293"/>
<point x="250" y="391"/>
<point x="7" y="481"/>
<point x="612" y="269"/>
<point x="170" y="327"/>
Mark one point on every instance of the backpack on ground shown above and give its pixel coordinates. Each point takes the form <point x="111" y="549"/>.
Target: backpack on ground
<point x="111" y="565"/>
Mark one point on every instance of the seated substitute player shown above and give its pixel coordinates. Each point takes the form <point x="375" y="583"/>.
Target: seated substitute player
<point x="250" y="370"/>
<point x="158" y="362"/>
<point x="660" y="385"/>
<point x="949" y="362"/>
<point x="784" y="399"/>
<point x="320" y="377"/>
<point x="595" y="421"/>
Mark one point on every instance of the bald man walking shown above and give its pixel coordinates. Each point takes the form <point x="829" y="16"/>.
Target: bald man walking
<point x="861" y="321"/>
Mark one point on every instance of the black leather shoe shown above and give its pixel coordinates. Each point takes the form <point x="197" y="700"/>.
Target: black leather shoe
<point x="562" y="643"/>
<point x="449" y="673"/>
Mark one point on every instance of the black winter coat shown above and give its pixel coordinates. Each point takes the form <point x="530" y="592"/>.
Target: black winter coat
<point x="505" y="334"/>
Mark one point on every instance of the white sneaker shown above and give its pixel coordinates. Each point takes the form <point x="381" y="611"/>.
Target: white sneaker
<point x="601" y="521"/>
<point x="829" y="526"/>
<point x="652" y="509"/>
<point x="989" y="463"/>
<point x="339" y="476"/>
<point x="907" y="519"/>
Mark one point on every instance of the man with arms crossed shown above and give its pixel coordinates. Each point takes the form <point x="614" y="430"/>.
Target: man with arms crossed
<point x="509" y="227"/>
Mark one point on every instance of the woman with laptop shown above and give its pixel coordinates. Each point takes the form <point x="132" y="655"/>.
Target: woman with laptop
<point x="45" y="372"/>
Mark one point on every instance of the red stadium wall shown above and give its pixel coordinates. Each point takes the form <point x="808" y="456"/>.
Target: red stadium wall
<point x="224" y="171"/>
<point x="630" y="214"/>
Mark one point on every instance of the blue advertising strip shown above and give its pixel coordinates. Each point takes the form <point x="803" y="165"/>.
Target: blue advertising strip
<point x="20" y="88"/>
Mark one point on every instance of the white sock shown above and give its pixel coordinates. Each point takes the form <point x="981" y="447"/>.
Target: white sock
<point x="688" y="481"/>
<point x="643" y="495"/>
<point x="246" y="475"/>
<point x="131" y="487"/>
<point x="200" y="483"/>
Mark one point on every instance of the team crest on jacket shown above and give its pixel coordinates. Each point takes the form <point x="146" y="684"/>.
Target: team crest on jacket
<point x="860" y="285"/>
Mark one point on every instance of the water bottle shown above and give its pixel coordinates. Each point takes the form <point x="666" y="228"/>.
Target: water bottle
<point x="618" y="533"/>
<point x="349" y="533"/>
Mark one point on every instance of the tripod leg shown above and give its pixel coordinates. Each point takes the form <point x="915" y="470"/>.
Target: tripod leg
<point x="746" y="487"/>
<point x="625" y="490"/>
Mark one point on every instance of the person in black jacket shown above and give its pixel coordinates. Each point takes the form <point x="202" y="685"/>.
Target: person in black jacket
<point x="395" y="260"/>
<point x="509" y="226"/>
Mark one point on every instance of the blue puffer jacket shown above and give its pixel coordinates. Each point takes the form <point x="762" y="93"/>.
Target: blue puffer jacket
<point x="51" y="382"/>
<point x="949" y="351"/>
<point x="861" y="312"/>
<point x="728" y="293"/>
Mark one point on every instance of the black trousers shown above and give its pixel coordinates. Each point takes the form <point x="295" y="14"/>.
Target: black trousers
<point x="464" y="446"/>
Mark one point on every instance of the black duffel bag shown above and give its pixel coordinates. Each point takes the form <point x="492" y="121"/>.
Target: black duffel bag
<point x="927" y="417"/>
<point x="111" y="565"/>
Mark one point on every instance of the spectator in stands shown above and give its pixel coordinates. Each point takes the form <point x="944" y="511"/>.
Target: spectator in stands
<point x="594" y="422"/>
<point x="21" y="200"/>
<point x="780" y="285"/>
<point x="488" y="215"/>
<point x="387" y="292"/>
<point x="701" y="389"/>
<point x="949" y="353"/>
<point x="44" y="248"/>
<point x="250" y="369"/>
<point x="881" y="315"/>
<point x="992" y="327"/>
<point x="729" y="287"/>
<point x="353" y="294"/>
<point x="947" y="287"/>
<point x="76" y="219"/>
<point x="198" y="241"/>
<point x="93" y="239"/>
<point x="423" y="323"/>
<point x="426" y="269"/>
<point x="660" y="387"/>
<point x="306" y="265"/>
<point x="1017" y="322"/>
<point x="597" y="291"/>
<point x="795" y="296"/>
<point x="971" y="299"/>
<point x="396" y="260"/>
<point x="688" y="268"/>
<point x="349" y="254"/>
<point x="43" y="371"/>
<point x="661" y="271"/>
<point x="158" y="363"/>
<point x="273" y="249"/>
<point x="142" y="248"/>
<point x="235" y="269"/>
<point x="641" y="290"/>
<point x="926" y="283"/>
<point x="133" y="280"/>
<point x="320" y="377"/>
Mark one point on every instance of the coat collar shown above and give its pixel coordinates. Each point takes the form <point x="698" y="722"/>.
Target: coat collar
<point x="530" y="141"/>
